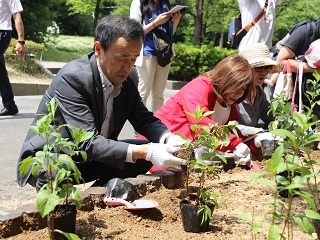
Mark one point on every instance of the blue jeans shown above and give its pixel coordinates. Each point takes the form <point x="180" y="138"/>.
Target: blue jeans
<point x="5" y="86"/>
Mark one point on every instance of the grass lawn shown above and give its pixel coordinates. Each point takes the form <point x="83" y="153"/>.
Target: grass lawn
<point x="65" y="48"/>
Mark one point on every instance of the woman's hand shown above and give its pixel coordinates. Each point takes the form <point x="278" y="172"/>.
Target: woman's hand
<point x="176" y="19"/>
<point x="161" y="19"/>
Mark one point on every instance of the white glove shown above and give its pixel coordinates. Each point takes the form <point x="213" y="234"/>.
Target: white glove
<point x="242" y="153"/>
<point x="199" y="151"/>
<point x="264" y="136"/>
<point x="175" y="140"/>
<point x="161" y="156"/>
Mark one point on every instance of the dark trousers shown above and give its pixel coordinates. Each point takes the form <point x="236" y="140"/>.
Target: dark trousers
<point x="5" y="86"/>
<point x="101" y="172"/>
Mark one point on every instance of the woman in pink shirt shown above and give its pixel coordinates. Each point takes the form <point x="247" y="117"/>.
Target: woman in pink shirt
<point x="218" y="90"/>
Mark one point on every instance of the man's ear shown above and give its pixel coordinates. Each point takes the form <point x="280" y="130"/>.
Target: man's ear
<point x="97" y="49"/>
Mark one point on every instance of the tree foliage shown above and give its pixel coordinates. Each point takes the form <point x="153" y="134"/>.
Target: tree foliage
<point x="210" y="18"/>
<point x="35" y="26"/>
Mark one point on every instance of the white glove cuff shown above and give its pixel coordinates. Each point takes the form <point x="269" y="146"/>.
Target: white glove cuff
<point x="149" y="154"/>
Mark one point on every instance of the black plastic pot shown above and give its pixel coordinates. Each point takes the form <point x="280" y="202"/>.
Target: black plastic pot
<point x="191" y="220"/>
<point x="64" y="220"/>
<point x="285" y="193"/>
<point x="314" y="145"/>
<point x="268" y="147"/>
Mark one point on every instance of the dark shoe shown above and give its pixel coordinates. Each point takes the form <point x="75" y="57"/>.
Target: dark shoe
<point x="11" y="111"/>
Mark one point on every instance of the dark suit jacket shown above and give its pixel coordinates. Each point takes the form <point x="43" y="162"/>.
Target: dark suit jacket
<point x="78" y="89"/>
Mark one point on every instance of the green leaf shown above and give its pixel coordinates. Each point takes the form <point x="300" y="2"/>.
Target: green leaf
<point x="304" y="224"/>
<point x="273" y="232"/>
<point x="312" y="214"/>
<point x="275" y="159"/>
<point x="46" y="201"/>
<point x="256" y="227"/>
<point x="25" y="164"/>
<point x="265" y="181"/>
<point x="206" y="213"/>
<point x="69" y="236"/>
<point x="258" y="175"/>
<point x="246" y="217"/>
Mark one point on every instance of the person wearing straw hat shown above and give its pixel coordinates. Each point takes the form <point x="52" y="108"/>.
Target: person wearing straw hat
<point x="255" y="107"/>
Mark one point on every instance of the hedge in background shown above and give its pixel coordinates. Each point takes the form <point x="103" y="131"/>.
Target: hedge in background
<point x="191" y="61"/>
<point x="32" y="51"/>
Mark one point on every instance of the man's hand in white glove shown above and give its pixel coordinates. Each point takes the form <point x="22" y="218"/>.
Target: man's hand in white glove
<point x="264" y="136"/>
<point x="175" y="140"/>
<point x="199" y="151"/>
<point x="161" y="156"/>
<point x="242" y="153"/>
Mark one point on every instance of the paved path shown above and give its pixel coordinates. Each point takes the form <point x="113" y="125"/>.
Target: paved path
<point x="52" y="64"/>
<point x="13" y="130"/>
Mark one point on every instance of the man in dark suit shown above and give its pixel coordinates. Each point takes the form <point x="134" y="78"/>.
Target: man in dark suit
<point x="97" y="94"/>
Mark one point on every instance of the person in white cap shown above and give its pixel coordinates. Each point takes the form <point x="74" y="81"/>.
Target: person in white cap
<point x="256" y="106"/>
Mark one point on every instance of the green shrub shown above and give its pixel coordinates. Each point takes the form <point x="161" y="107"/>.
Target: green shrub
<point x="184" y="65"/>
<point x="32" y="51"/>
<point x="191" y="61"/>
<point x="30" y="48"/>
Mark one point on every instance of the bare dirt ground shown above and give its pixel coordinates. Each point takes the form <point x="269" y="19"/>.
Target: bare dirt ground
<point x="164" y="222"/>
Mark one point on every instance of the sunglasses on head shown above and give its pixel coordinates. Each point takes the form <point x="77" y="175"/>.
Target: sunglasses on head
<point x="267" y="68"/>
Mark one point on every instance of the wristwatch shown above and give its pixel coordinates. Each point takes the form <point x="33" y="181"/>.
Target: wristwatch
<point x="21" y="42"/>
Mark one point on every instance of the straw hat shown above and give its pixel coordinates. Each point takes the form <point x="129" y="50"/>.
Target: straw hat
<point x="258" y="55"/>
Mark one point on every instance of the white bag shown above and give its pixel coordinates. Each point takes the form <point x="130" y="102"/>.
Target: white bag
<point x="284" y="85"/>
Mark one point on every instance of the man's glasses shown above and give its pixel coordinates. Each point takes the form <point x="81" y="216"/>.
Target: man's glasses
<point x="267" y="68"/>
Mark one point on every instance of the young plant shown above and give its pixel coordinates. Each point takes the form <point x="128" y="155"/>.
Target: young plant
<point x="294" y="157"/>
<point x="61" y="170"/>
<point x="212" y="138"/>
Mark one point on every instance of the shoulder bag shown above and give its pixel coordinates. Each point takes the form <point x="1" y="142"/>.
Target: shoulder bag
<point x="298" y="85"/>
<point x="284" y="85"/>
<point x="236" y="32"/>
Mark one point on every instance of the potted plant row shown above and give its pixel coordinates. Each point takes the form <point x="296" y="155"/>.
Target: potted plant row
<point x="58" y="198"/>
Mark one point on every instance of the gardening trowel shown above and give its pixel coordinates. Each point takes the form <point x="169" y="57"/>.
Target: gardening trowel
<point x="140" y="204"/>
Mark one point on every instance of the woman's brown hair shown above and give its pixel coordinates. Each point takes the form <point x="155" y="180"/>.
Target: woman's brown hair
<point x="229" y="76"/>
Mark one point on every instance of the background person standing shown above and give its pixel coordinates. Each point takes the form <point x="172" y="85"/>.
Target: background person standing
<point x="153" y="77"/>
<point x="9" y="9"/>
<point x="262" y="31"/>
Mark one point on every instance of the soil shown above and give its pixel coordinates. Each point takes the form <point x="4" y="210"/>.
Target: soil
<point x="164" y="222"/>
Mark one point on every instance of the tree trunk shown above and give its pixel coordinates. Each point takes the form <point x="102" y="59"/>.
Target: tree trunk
<point x="221" y="39"/>
<point x="198" y="38"/>
<point x="96" y="15"/>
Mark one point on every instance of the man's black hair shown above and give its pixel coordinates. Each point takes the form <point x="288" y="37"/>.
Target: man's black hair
<point x="110" y="28"/>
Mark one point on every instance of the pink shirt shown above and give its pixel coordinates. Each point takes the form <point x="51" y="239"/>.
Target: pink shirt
<point x="197" y="92"/>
